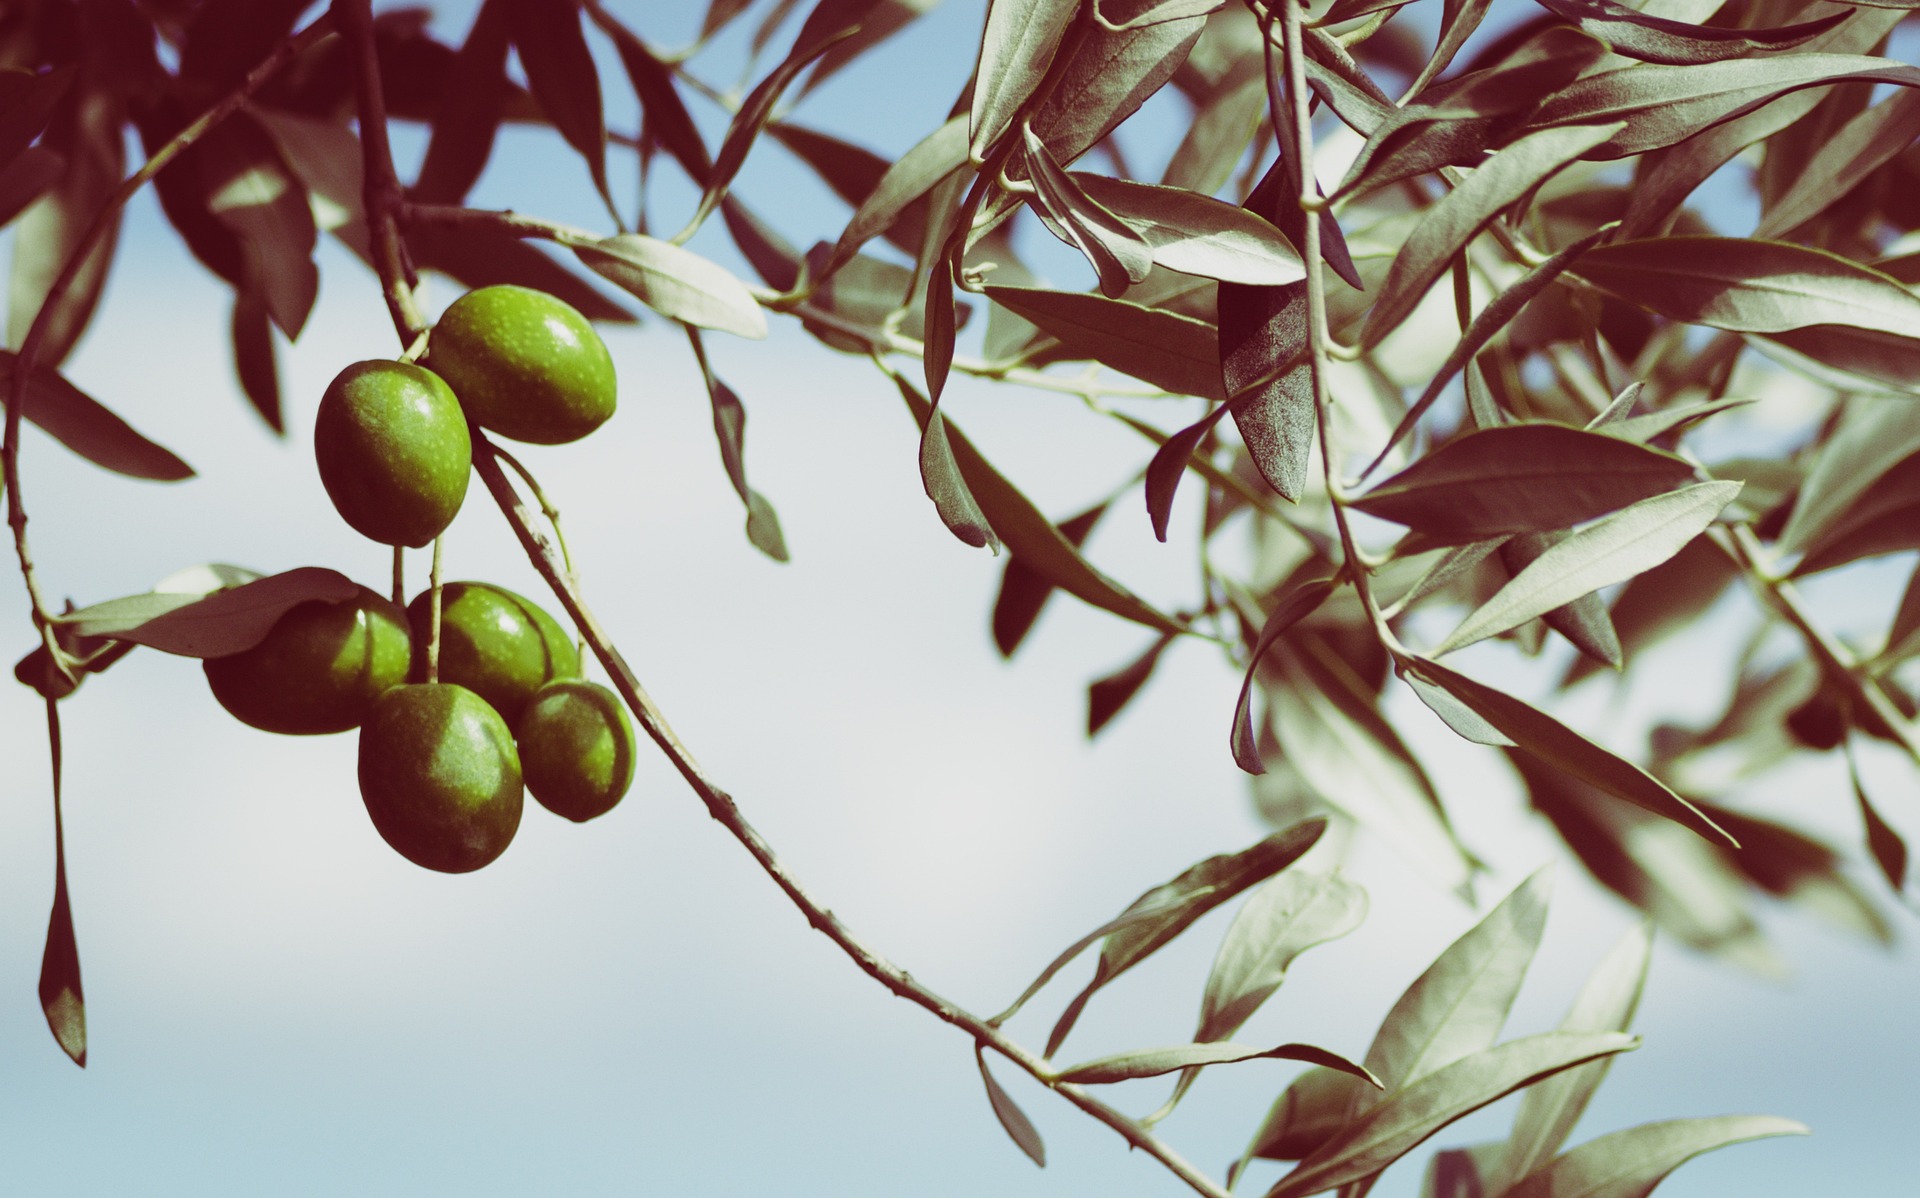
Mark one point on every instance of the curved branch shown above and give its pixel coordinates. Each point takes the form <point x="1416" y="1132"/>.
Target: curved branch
<point x="385" y="200"/>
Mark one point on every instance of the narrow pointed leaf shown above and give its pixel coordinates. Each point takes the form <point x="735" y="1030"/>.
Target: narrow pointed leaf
<point x="1168" y="903"/>
<point x="1583" y="621"/>
<point x="88" y="137"/>
<point x="1563" y="748"/>
<point x="553" y="52"/>
<point x="936" y="356"/>
<point x="945" y="485"/>
<point x="904" y="184"/>
<point x="1197" y="234"/>
<point x="1016" y="48"/>
<point x="1153" y="1062"/>
<point x="1492" y="319"/>
<point x="1466" y="723"/>
<point x="1118" y="254"/>
<point x="1029" y="535"/>
<point x="1665" y="105"/>
<point x="666" y="113"/>
<point x="676" y="282"/>
<point x="1550" y="1109"/>
<point x="1285" y="917"/>
<point x="1521" y="478"/>
<point x="1196" y="891"/>
<point x="215" y="625"/>
<point x="253" y="357"/>
<point x="1888" y="849"/>
<point x="1106" y="697"/>
<point x="76" y="420"/>
<point x="1748" y="286"/>
<point x="1012" y="1119"/>
<point x="1859" y="148"/>
<point x="1259" y="328"/>
<point x="1169" y="465"/>
<point x="1024" y="592"/>
<point x="1614" y="550"/>
<point x="1874" y="435"/>
<point x="62" y="999"/>
<point x="730" y="429"/>
<point x="1296" y="605"/>
<point x="1101" y="77"/>
<point x="1458" y="1006"/>
<point x="472" y="101"/>
<point x="1168" y="350"/>
<point x="1676" y="43"/>
<point x="1630" y="1163"/>
<point x="1450" y="224"/>
<point x="1397" y="1125"/>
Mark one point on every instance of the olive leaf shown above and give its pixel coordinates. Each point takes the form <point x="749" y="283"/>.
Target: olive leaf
<point x="73" y="418"/>
<point x="1015" y="51"/>
<point x="209" y="625"/>
<point x="1012" y="1119"/>
<point x="1677" y="43"/>
<point x="1166" y="349"/>
<point x="675" y="282"/>
<point x="1630" y="1163"/>
<point x="1152" y="1062"/>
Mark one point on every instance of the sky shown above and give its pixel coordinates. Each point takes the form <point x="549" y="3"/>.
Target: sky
<point x="280" y="1004"/>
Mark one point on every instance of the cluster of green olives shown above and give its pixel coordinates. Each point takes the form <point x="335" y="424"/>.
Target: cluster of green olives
<point x="443" y="765"/>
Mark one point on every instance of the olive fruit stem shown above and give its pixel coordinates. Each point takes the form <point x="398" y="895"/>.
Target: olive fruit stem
<point x="547" y="509"/>
<point x="385" y="203"/>
<point x="433" y="618"/>
<point x="400" y="575"/>
<point x="28" y="355"/>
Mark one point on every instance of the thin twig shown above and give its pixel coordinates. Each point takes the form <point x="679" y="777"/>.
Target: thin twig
<point x="383" y="210"/>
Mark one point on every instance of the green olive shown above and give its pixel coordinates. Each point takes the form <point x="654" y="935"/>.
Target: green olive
<point x="394" y="454"/>
<point x="576" y="748"/>
<point x="500" y="645"/>
<point x="524" y="364"/>
<point x="320" y="669"/>
<point x="440" y="777"/>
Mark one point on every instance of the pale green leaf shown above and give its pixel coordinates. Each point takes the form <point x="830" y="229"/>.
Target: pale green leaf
<point x="1197" y="234"/>
<point x="676" y="282"/>
<point x="1630" y="1163"/>
<point x="1152" y="1062"/>
<point x="1615" y="549"/>
<point x="1282" y="919"/>
<point x="1016" y="48"/>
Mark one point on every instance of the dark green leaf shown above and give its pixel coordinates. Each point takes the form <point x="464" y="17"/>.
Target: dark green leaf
<point x="1449" y="225"/>
<point x="676" y="282"/>
<point x="1012" y="1119"/>
<point x="1169" y="465"/>
<point x="1749" y="286"/>
<point x="1016" y="49"/>
<point x="1872" y="437"/>
<point x="1395" y="1127"/>
<point x="1196" y="891"/>
<point x="1023" y="592"/>
<point x="1663" y="105"/>
<point x="1139" y="912"/>
<point x="1170" y="351"/>
<point x="1613" y="550"/>
<point x="1630" y="1163"/>
<point x="1118" y="254"/>
<point x="666" y="113"/>
<point x="1677" y="43"/>
<point x="1883" y="518"/>
<point x="1152" y="1062"/>
<point x="1306" y="1115"/>
<point x="61" y="997"/>
<point x="1563" y="748"/>
<point x="468" y="116"/>
<point x="553" y="52"/>
<point x="902" y="187"/>
<point x="86" y="134"/>
<point x="25" y="179"/>
<point x="73" y="418"/>
<point x="940" y="475"/>
<point x="1493" y="318"/>
<point x="1888" y="849"/>
<point x="1107" y="696"/>
<point x="211" y="625"/>
<point x="1521" y="478"/>
<point x="481" y="256"/>
<point x="1100" y="77"/>
<point x="1030" y="536"/>
<point x="1197" y="234"/>
<point x="936" y="355"/>
<point x="730" y="428"/>
<point x="253" y="357"/>
<point x="27" y="103"/>
<point x="1296" y="605"/>
<point x="1862" y="146"/>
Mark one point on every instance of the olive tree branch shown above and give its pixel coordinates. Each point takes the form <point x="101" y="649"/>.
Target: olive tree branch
<point x="385" y="204"/>
<point x="1312" y="207"/>
<point x="28" y="355"/>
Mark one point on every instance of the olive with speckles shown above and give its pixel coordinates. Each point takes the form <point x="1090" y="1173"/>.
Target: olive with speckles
<point x="524" y="364"/>
<point x="440" y="776"/>
<point x="394" y="455"/>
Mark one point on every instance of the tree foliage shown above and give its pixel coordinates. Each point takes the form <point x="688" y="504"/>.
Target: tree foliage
<point x="1478" y="302"/>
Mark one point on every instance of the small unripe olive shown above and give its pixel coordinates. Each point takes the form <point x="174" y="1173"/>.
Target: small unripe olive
<point x="576" y="748"/>
<point x="394" y="454"/>
<point x="440" y="777"/>
<point x="500" y="645"/>
<point x="320" y="669"/>
<point x="524" y="364"/>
